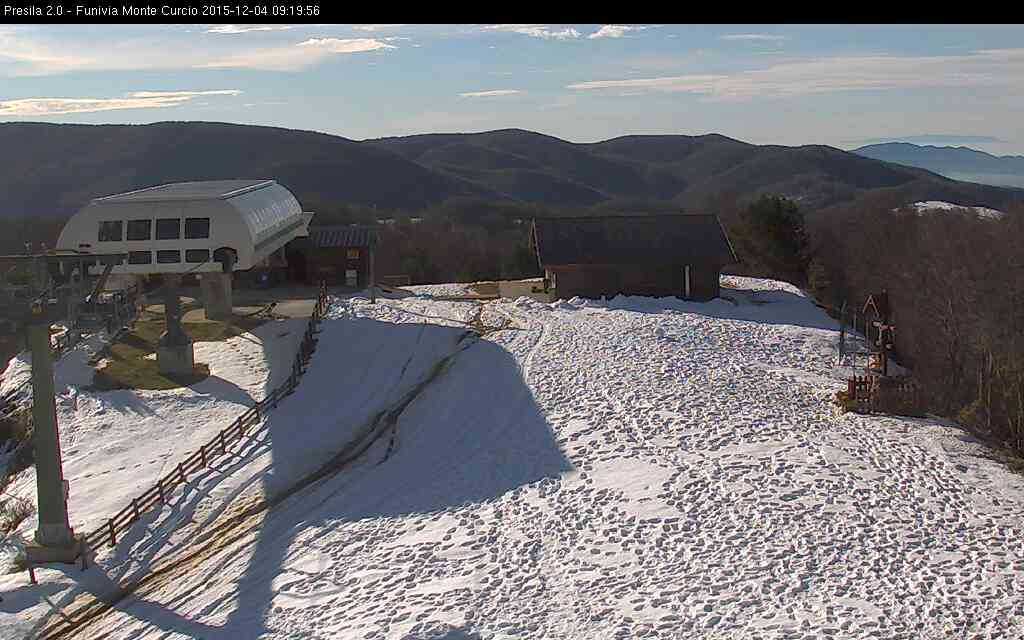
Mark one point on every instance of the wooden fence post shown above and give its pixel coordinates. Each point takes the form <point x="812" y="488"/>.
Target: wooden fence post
<point x="160" y="488"/>
<point x="202" y="455"/>
<point x="113" y="536"/>
<point x="223" y="445"/>
<point x="181" y="473"/>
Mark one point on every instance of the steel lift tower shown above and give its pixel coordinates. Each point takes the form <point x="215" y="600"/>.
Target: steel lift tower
<point x="33" y="309"/>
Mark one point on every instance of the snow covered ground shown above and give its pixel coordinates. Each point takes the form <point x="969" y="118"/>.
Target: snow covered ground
<point x="115" y="444"/>
<point x="938" y="205"/>
<point x="636" y="468"/>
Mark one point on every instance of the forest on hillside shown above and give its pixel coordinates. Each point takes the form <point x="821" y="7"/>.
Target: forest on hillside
<point x="955" y="283"/>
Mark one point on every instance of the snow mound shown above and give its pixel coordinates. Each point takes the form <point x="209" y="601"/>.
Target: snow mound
<point x="455" y="289"/>
<point x="927" y="206"/>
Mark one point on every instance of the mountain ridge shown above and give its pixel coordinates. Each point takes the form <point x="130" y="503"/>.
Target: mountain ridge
<point x="54" y="169"/>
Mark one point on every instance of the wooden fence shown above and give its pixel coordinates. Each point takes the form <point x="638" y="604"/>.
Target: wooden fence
<point x="877" y="394"/>
<point x="218" y="446"/>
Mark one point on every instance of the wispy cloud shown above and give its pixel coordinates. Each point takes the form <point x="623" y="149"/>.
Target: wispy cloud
<point x="536" y="31"/>
<point x="298" y="56"/>
<point x="376" y="27"/>
<point x="934" y="139"/>
<point x="247" y="28"/>
<point x="762" y="37"/>
<point x="614" y="31"/>
<point x="135" y="100"/>
<point x="490" y="94"/>
<point x="351" y="45"/>
<point x="32" y="54"/>
<point x="991" y="67"/>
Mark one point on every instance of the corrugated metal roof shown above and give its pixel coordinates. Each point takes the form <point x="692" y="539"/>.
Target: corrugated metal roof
<point x="657" y="239"/>
<point x="202" y="190"/>
<point x="339" y="236"/>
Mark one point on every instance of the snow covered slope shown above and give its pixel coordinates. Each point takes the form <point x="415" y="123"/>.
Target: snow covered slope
<point x="938" y="205"/>
<point x="637" y="468"/>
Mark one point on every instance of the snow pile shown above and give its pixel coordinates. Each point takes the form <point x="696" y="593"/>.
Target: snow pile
<point x="71" y="371"/>
<point x="938" y="205"/>
<point x="440" y="290"/>
<point x="640" y="468"/>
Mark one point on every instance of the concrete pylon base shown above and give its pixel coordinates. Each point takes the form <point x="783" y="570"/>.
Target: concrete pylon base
<point x="176" y="358"/>
<point x="217" y="295"/>
<point x="38" y="554"/>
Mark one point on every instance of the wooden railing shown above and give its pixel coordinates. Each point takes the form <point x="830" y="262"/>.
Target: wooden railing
<point x="218" y="446"/>
<point x="876" y="394"/>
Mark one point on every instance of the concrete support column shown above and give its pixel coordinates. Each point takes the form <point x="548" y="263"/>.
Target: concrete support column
<point x="174" y="354"/>
<point x="55" y="539"/>
<point x="217" y="295"/>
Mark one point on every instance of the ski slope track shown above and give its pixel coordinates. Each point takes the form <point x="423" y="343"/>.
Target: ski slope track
<point x="631" y="468"/>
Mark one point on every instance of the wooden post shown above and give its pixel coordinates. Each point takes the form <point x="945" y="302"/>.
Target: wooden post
<point x="113" y="536"/>
<point x="202" y="455"/>
<point x="32" y="573"/>
<point x="223" y="446"/>
<point x="373" y="278"/>
<point x="181" y="473"/>
<point x="160" y="488"/>
<point x="135" y="508"/>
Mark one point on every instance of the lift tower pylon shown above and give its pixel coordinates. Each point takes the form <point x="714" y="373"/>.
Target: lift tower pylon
<point x="34" y="312"/>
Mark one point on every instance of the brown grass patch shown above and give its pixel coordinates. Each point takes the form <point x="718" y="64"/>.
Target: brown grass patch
<point x="127" y="366"/>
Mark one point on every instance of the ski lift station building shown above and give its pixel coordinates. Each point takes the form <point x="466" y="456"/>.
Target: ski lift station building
<point x="210" y="228"/>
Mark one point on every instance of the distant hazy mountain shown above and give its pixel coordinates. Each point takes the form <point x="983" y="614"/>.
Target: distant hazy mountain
<point x="54" y="169"/>
<point x="958" y="163"/>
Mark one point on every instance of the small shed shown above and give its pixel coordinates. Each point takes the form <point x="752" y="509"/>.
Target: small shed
<point x="341" y="255"/>
<point x="655" y="255"/>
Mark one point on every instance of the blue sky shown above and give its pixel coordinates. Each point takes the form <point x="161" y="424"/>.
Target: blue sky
<point x="841" y="85"/>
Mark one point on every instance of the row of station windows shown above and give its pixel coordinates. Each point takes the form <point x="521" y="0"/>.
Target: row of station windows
<point x="166" y="229"/>
<point x="169" y="256"/>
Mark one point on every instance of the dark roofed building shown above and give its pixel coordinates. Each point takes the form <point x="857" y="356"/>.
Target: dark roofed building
<point x="659" y="255"/>
<point x="338" y="254"/>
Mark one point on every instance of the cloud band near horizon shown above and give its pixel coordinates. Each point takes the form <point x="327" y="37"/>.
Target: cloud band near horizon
<point x="135" y="100"/>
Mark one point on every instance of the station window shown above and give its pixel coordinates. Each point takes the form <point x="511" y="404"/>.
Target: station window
<point x="167" y="256"/>
<point x="138" y="229"/>
<point x="110" y="230"/>
<point x="197" y="228"/>
<point x="197" y="256"/>
<point x="140" y="257"/>
<point x="168" y="229"/>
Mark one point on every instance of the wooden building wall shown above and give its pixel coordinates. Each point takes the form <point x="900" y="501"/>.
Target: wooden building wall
<point x="331" y="263"/>
<point x="594" y="281"/>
